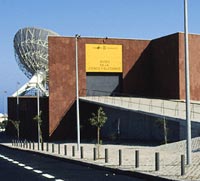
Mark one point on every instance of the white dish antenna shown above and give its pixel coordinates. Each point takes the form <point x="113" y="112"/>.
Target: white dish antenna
<point x="31" y="53"/>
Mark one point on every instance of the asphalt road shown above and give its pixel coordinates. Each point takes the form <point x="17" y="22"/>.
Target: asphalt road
<point x="18" y="165"/>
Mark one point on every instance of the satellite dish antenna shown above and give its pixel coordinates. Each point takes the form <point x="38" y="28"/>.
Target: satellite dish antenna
<point x="31" y="53"/>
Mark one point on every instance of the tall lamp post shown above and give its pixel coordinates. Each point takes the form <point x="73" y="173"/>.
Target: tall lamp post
<point x="4" y="101"/>
<point x="187" y="85"/>
<point x="77" y="94"/>
<point x="17" y="102"/>
<point x="38" y="111"/>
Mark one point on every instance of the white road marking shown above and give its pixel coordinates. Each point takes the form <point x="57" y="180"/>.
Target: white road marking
<point x="37" y="171"/>
<point x="48" y="176"/>
<point x="15" y="162"/>
<point x="10" y="160"/>
<point x="21" y="164"/>
<point x="28" y="168"/>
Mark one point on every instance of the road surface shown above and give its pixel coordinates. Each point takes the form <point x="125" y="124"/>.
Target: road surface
<point x="18" y="165"/>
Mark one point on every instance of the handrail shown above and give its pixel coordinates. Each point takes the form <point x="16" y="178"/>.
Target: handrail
<point x="176" y="108"/>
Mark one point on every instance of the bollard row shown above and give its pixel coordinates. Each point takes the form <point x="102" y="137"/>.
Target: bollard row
<point x="31" y="145"/>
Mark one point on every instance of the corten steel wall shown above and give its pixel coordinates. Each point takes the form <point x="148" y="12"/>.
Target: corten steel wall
<point x="165" y="67"/>
<point x="61" y="78"/>
<point x="62" y="95"/>
<point x="27" y="111"/>
<point x="168" y="66"/>
<point x="194" y="63"/>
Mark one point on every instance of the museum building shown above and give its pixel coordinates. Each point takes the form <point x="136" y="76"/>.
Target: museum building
<point x="109" y="67"/>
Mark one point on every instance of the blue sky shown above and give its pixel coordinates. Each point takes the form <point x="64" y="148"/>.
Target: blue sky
<point x="134" y="19"/>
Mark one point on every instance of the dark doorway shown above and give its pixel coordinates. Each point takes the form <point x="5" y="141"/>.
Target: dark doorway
<point x="100" y="84"/>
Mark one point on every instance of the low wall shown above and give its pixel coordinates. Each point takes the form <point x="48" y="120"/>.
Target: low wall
<point x="129" y="125"/>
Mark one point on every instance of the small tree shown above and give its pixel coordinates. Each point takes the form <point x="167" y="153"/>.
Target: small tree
<point x="39" y="121"/>
<point x="98" y="120"/>
<point x="16" y="125"/>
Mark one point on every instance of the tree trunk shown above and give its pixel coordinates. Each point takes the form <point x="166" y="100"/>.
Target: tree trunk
<point x="165" y="131"/>
<point x="98" y="135"/>
<point x="98" y="141"/>
<point x="18" y="134"/>
<point x="41" y="138"/>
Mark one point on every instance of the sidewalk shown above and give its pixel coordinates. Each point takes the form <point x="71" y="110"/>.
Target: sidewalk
<point x="170" y="157"/>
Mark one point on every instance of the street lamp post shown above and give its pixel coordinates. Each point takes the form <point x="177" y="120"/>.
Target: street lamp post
<point x="38" y="110"/>
<point x="77" y="94"/>
<point x="187" y="85"/>
<point x="4" y="101"/>
<point x="17" y="102"/>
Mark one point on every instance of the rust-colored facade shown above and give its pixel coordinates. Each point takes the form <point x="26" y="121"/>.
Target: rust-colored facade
<point x="151" y="68"/>
<point x="194" y="59"/>
<point x="62" y="71"/>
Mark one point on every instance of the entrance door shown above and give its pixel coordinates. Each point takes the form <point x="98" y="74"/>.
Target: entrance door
<point x="100" y="84"/>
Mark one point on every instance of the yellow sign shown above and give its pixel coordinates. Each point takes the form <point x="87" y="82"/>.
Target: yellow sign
<point x="103" y="58"/>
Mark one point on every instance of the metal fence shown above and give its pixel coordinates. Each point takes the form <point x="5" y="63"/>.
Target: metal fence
<point x="170" y="108"/>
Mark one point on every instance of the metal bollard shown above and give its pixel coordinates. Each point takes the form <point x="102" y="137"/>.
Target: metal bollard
<point x="38" y="144"/>
<point x="42" y="146"/>
<point x="81" y="152"/>
<point x="94" y="153"/>
<point x="157" y="161"/>
<point x="136" y="158"/>
<point x="29" y="145"/>
<point x="52" y="148"/>
<point x="65" y="149"/>
<point x="33" y="145"/>
<point x="73" y="150"/>
<point x="59" y="149"/>
<point x="182" y="164"/>
<point x="106" y="155"/>
<point x="120" y="157"/>
<point x="47" y="146"/>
